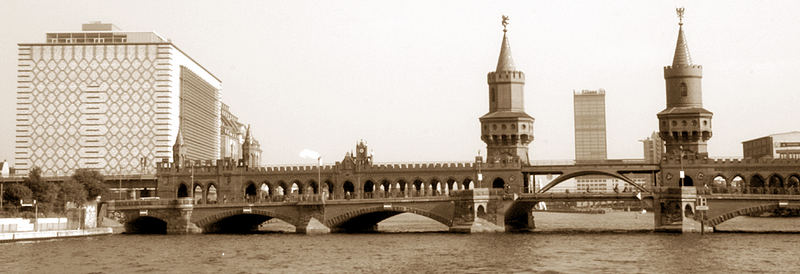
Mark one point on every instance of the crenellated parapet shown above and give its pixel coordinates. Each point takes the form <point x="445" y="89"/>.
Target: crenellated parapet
<point x="683" y="71"/>
<point x="505" y="77"/>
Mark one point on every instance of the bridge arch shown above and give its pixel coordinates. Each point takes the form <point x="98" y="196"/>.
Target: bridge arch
<point x="715" y="221"/>
<point x="365" y="219"/>
<point x="198" y="193"/>
<point x="737" y="181"/>
<point x="468" y="183"/>
<point x="369" y="188"/>
<point x="756" y="181"/>
<point x="182" y="191"/>
<point x="562" y="178"/>
<point x="775" y="180"/>
<point x="211" y="191"/>
<point x="240" y="221"/>
<point x="146" y="225"/>
<point x="498" y="183"/>
<point x="719" y="181"/>
<point x="793" y="181"/>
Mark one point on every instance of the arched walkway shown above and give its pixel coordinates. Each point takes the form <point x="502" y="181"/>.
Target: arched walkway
<point x="349" y="190"/>
<point x="687" y="181"/>
<point x="499" y="183"/>
<point x="183" y="191"/>
<point x="212" y="194"/>
<point x="251" y="193"/>
<point x="562" y="178"/>
<point x="365" y="219"/>
<point x="369" y="187"/>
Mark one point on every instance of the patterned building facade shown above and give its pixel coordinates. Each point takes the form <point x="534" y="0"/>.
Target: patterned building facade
<point x="111" y="100"/>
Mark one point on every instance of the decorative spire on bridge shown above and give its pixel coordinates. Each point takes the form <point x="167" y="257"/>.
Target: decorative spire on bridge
<point x="179" y="150"/>
<point x="682" y="56"/>
<point x="505" y="62"/>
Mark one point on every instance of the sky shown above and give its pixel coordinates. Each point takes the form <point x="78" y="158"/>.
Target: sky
<point x="409" y="77"/>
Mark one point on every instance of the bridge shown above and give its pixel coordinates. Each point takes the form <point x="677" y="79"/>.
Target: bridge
<point x="476" y="210"/>
<point x="688" y="191"/>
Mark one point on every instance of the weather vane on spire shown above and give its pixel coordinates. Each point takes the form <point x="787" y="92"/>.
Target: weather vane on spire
<point x="680" y="15"/>
<point x="505" y="23"/>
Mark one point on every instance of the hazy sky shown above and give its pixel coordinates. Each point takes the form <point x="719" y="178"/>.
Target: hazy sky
<point x="410" y="76"/>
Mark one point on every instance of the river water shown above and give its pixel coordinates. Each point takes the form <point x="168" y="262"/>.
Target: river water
<point x="569" y="243"/>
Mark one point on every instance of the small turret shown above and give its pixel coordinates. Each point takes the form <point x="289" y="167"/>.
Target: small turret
<point x="179" y="150"/>
<point x="246" y="149"/>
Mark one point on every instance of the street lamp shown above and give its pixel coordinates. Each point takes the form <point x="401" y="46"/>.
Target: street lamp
<point x="480" y="175"/>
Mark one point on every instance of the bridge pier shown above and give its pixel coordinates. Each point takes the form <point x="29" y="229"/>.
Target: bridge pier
<point x="476" y="211"/>
<point x="311" y="218"/>
<point x="676" y="211"/>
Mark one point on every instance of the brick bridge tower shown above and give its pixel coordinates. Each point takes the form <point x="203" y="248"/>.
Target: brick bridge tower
<point x="685" y="126"/>
<point x="506" y="129"/>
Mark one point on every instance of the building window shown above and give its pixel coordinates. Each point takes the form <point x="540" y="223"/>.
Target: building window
<point x="493" y="94"/>
<point x="684" y="90"/>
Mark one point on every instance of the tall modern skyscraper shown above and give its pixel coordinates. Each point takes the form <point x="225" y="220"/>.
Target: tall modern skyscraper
<point x="590" y="125"/>
<point x="653" y="148"/>
<point x="111" y="100"/>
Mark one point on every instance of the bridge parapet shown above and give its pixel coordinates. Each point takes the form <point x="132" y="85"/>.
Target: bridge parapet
<point x="701" y="160"/>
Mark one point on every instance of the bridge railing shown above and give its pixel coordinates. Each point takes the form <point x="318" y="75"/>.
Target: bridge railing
<point x="751" y="190"/>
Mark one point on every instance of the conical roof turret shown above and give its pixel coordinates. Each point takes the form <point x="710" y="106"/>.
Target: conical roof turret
<point x="247" y="138"/>
<point x="179" y="137"/>
<point x="682" y="56"/>
<point x="505" y="62"/>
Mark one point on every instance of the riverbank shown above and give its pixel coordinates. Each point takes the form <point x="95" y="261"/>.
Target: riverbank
<point x="53" y="234"/>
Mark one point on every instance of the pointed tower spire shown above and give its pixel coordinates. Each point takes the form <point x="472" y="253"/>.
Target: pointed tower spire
<point x="179" y="138"/>
<point x="247" y="138"/>
<point x="246" y="151"/>
<point x="681" y="57"/>
<point x="179" y="150"/>
<point x="505" y="62"/>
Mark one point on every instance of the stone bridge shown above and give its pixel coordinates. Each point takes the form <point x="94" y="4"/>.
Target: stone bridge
<point x="476" y="210"/>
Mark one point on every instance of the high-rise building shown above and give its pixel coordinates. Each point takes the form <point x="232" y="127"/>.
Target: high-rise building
<point x="776" y="146"/>
<point x="590" y="125"/>
<point x="653" y="148"/>
<point x="111" y="100"/>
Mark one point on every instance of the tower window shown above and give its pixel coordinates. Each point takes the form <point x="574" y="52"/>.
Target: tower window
<point x="493" y="94"/>
<point x="684" y="90"/>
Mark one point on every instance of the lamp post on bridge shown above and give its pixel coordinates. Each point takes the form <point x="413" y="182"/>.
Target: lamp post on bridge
<point x="480" y="175"/>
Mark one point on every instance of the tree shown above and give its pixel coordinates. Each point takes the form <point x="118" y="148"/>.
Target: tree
<point x="92" y="181"/>
<point x="15" y="192"/>
<point x="44" y="193"/>
<point x="72" y="191"/>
